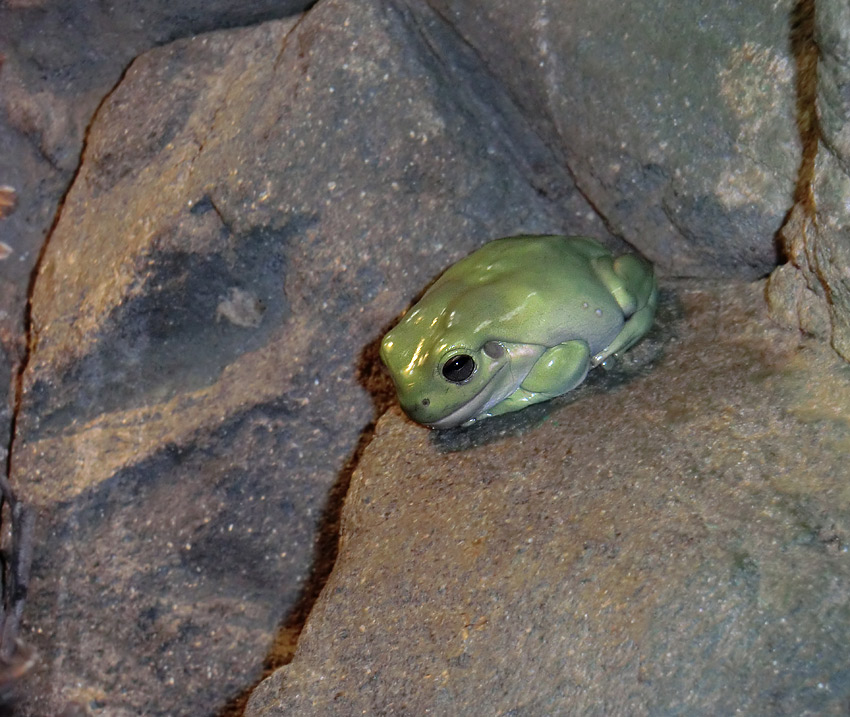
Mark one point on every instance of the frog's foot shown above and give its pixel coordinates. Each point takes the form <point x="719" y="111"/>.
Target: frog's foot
<point x="631" y="281"/>
<point x="517" y="400"/>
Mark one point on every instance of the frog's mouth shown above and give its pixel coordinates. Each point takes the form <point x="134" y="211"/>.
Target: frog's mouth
<point x="490" y="394"/>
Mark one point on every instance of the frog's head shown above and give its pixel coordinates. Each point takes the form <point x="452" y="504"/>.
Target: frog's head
<point x="443" y="379"/>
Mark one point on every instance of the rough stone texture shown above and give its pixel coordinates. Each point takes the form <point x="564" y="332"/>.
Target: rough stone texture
<point x="830" y="248"/>
<point x="253" y="209"/>
<point x="58" y="60"/>
<point x="677" y="120"/>
<point x="673" y="541"/>
<point x="832" y="34"/>
<point x="794" y="295"/>
<point x="812" y="290"/>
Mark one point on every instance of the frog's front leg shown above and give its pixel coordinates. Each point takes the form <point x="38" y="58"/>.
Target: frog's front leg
<point x="558" y="370"/>
<point x="632" y="283"/>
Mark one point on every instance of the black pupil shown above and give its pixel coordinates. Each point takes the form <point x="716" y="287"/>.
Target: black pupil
<point x="459" y="368"/>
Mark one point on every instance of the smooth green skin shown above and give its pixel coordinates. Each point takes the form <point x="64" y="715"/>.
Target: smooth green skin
<point x="536" y="313"/>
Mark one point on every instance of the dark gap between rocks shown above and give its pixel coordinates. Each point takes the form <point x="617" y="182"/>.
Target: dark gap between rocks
<point x="805" y="54"/>
<point x="377" y="383"/>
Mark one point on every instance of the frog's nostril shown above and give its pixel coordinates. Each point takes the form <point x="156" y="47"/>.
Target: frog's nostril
<point x="426" y="401"/>
<point x="494" y="349"/>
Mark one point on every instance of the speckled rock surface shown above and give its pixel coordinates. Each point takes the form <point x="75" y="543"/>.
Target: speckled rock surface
<point x="59" y="59"/>
<point x="253" y="208"/>
<point x="672" y="540"/>
<point x="677" y="120"/>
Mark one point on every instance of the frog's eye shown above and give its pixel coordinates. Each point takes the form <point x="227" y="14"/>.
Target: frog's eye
<point x="458" y="368"/>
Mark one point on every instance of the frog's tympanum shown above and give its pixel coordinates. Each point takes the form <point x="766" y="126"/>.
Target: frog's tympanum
<point x="519" y="321"/>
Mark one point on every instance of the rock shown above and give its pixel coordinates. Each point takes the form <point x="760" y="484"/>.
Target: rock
<point x="674" y="541"/>
<point x="817" y="236"/>
<point x="676" y="120"/>
<point x="795" y="297"/>
<point x="253" y="208"/>
<point x="830" y="245"/>
<point x="59" y="60"/>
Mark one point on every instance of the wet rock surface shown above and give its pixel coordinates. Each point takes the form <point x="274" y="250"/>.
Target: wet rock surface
<point x="672" y="539"/>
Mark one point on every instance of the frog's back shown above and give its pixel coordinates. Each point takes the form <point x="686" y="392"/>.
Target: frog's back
<point x="516" y="254"/>
<point x="531" y="289"/>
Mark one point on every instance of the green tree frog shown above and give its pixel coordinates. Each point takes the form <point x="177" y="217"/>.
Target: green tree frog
<point x="521" y="320"/>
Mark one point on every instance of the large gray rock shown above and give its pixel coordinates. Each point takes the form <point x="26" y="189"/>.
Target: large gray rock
<point x="677" y="120"/>
<point x="673" y="540"/>
<point x="59" y="59"/>
<point x="252" y="209"/>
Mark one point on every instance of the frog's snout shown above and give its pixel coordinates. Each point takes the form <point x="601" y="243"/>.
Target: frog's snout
<point x="417" y="409"/>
